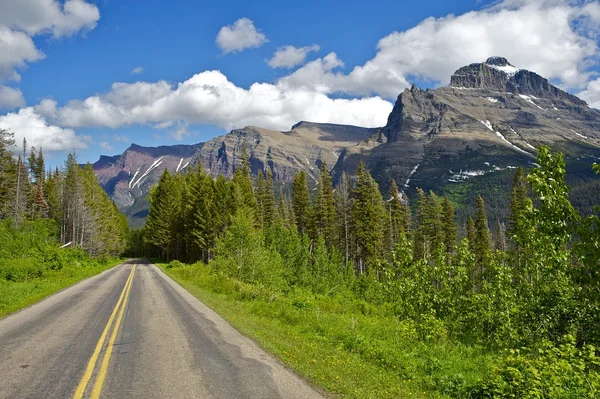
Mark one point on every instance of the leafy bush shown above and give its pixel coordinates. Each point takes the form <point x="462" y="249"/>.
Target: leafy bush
<point x="19" y="270"/>
<point x="562" y="371"/>
<point x="174" y="263"/>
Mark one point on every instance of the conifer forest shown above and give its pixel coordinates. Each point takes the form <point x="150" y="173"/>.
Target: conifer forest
<point x="525" y="288"/>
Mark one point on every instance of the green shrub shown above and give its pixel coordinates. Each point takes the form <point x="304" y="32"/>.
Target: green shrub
<point x="562" y="371"/>
<point x="174" y="263"/>
<point x="19" y="270"/>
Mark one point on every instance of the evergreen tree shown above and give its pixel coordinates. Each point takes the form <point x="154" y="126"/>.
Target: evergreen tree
<point x="301" y="203"/>
<point x="449" y="229"/>
<point x="326" y="214"/>
<point x="242" y="180"/>
<point x="163" y="216"/>
<point x="367" y="218"/>
<point x="344" y="210"/>
<point x="8" y="174"/>
<point x="397" y="216"/>
<point x="420" y="241"/>
<point x="518" y="197"/>
<point x="269" y="209"/>
<point x="482" y="237"/>
<point x="202" y="212"/>
<point x="432" y="222"/>
<point x="260" y="195"/>
<point x="471" y="234"/>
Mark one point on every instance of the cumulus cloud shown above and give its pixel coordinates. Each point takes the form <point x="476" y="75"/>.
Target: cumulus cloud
<point x="137" y="71"/>
<point x="180" y="132"/>
<point x="11" y="98"/>
<point x="555" y="38"/>
<point x="106" y="145"/>
<point x="20" y="20"/>
<point x="210" y="98"/>
<point x="290" y="56"/>
<point x="16" y="49"/>
<point x="48" y="16"/>
<point x="28" y="124"/>
<point x="240" y="35"/>
<point x="591" y="94"/>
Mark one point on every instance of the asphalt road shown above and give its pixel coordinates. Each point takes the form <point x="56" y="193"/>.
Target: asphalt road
<point x="132" y="332"/>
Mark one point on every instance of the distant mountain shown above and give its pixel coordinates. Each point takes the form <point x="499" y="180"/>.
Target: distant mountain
<point x="455" y="140"/>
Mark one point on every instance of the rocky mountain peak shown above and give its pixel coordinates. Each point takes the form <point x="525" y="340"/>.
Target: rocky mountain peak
<point x="496" y="74"/>
<point x="498" y="61"/>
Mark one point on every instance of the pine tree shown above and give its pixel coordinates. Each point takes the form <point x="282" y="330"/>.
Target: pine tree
<point x="432" y="222"/>
<point x="471" y="234"/>
<point x="244" y="193"/>
<point x="397" y="216"/>
<point x="260" y="195"/>
<point x="449" y="229"/>
<point x="367" y="218"/>
<point x="519" y="195"/>
<point x="500" y="236"/>
<point x="482" y="237"/>
<point x="326" y="213"/>
<point x="162" y="221"/>
<point x="8" y="175"/>
<point x="420" y="242"/>
<point x="344" y="210"/>
<point x="268" y="201"/>
<point x="301" y="203"/>
<point x="200" y="208"/>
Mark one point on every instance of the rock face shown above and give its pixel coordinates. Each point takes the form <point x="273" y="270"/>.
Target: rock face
<point x="489" y="119"/>
<point x="128" y="177"/>
<point x="492" y="116"/>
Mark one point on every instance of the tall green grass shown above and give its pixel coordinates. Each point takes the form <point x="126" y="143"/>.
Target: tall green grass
<point x="342" y="344"/>
<point x="33" y="266"/>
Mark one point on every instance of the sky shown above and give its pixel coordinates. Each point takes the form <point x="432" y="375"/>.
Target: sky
<point x="95" y="76"/>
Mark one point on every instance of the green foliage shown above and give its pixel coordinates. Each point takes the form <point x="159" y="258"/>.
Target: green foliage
<point x="355" y="255"/>
<point x="562" y="371"/>
<point x="32" y="265"/>
<point x="241" y="254"/>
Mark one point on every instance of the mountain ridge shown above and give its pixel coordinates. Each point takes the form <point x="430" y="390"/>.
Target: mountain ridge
<point x="489" y="119"/>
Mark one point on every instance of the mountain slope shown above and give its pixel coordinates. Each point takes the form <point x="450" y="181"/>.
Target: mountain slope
<point x="453" y="139"/>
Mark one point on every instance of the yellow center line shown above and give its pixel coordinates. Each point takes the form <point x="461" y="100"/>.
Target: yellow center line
<point x="104" y="366"/>
<point x="92" y="362"/>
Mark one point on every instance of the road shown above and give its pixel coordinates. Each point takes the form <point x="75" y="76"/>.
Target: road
<point x="132" y="332"/>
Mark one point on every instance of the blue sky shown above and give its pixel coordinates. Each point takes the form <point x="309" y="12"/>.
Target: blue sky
<point x="95" y="76"/>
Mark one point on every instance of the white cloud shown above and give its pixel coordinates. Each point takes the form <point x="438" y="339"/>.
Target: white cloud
<point x="554" y="38"/>
<point x="16" y="49"/>
<point x="591" y="94"/>
<point x="48" y="16"/>
<point x="242" y="34"/>
<point x="39" y="133"/>
<point x="20" y="20"/>
<point x="290" y="56"/>
<point x="210" y="98"/>
<point x="11" y="98"/>
<point x="180" y="132"/>
<point x="121" y="138"/>
<point x="106" y="145"/>
<point x="137" y="71"/>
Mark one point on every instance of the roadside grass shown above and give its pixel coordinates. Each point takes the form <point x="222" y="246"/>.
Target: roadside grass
<point x="23" y="289"/>
<point x="343" y="345"/>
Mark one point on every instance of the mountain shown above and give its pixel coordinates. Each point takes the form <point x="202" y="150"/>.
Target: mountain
<point x="460" y="140"/>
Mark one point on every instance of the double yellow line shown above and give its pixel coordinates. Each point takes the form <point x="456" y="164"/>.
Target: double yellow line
<point x="87" y="375"/>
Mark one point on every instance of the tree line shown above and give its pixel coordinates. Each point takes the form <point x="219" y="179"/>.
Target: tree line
<point x="71" y="197"/>
<point x="531" y="278"/>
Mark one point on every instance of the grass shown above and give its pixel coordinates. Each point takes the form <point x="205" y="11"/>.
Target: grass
<point x="16" y="295"/>
<point x="340" y="344"/>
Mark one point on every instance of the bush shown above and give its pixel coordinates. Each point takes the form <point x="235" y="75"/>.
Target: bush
<point x="562" y="371"/>
<point x="174" y="264"/>
<point x="19" y="270"/>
